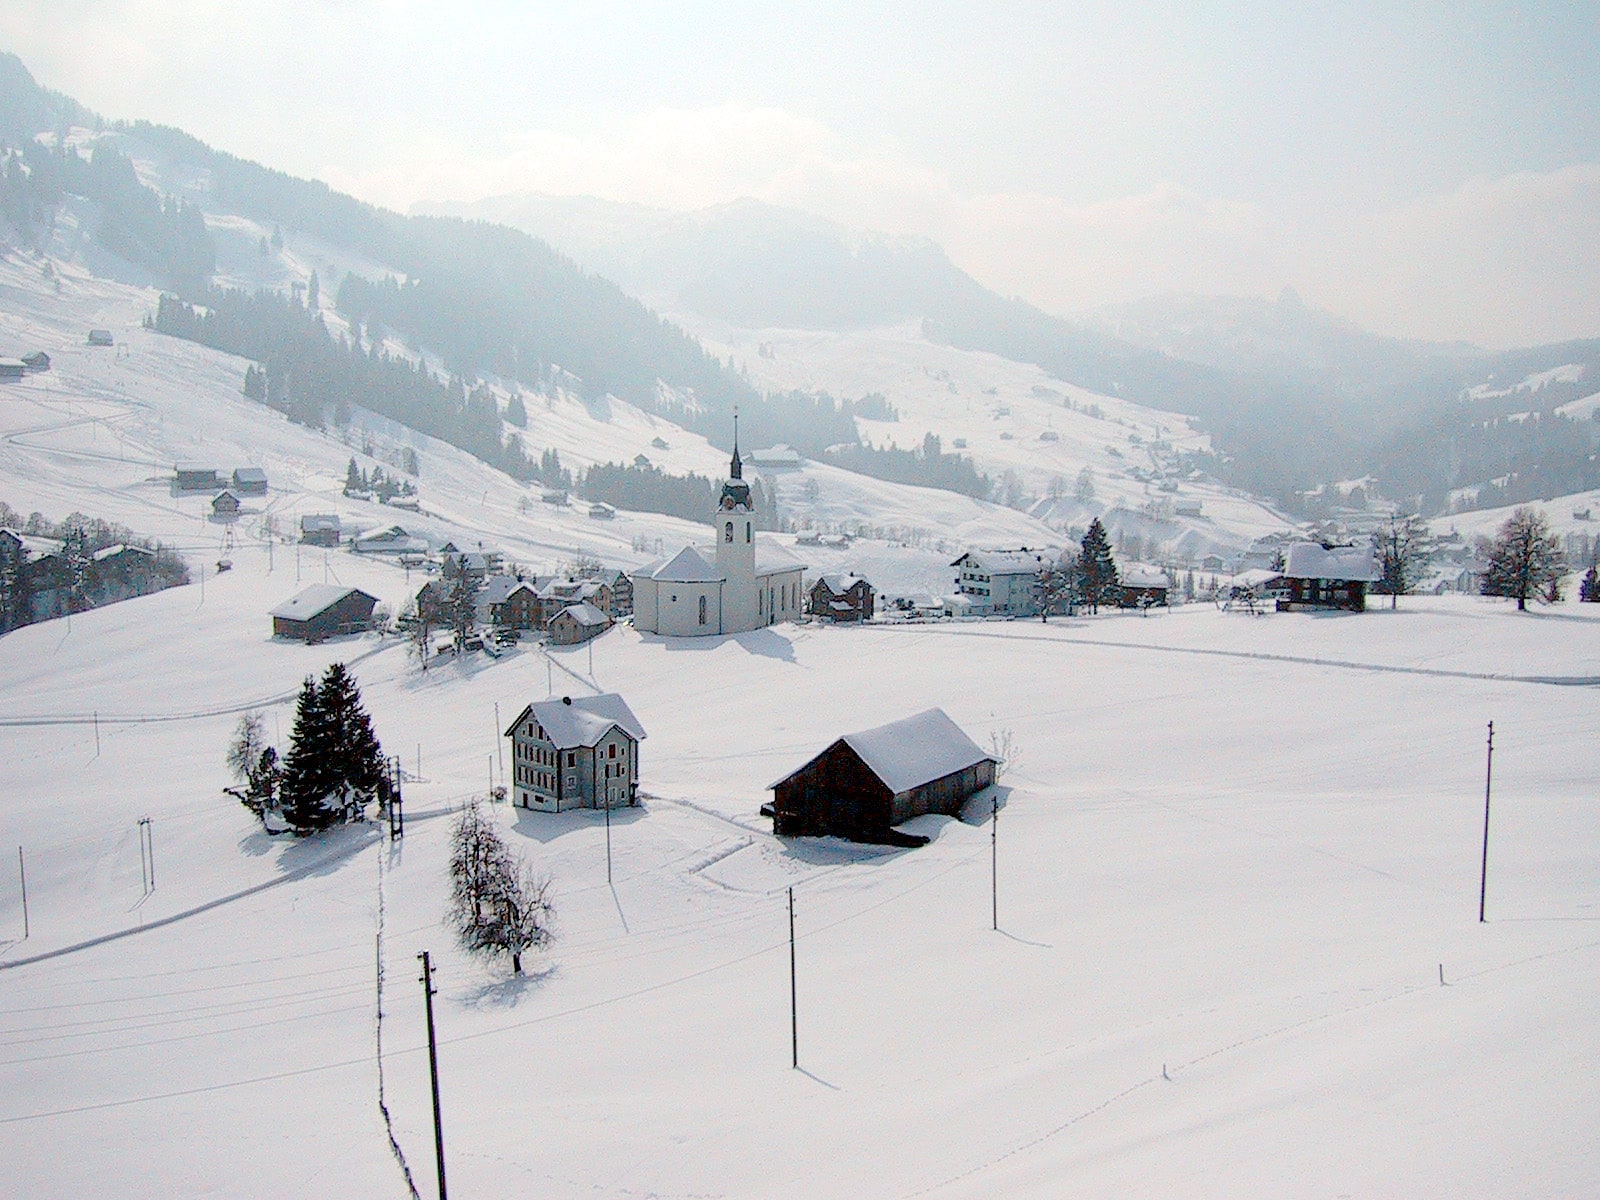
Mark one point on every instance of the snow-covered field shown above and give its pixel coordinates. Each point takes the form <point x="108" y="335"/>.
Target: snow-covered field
<point x="1235" y="850"/>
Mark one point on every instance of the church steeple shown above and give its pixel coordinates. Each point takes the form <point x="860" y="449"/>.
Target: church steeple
<point x="735" y="491"/>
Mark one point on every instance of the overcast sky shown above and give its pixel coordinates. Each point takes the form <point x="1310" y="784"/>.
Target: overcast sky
<point x="1427" y="170"/>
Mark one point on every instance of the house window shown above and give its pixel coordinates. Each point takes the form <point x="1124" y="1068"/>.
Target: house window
<point x="611" y="750"/>
<point x="702" y="610"/>
<point x="727" y="532"/>
<point x="572" y="758"/>
<point x="747" y="531"/>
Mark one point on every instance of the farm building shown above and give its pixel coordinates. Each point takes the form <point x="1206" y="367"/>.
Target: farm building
<point x="225" y="505"/>
<point x="866" y="783"/>
<point x="12" y="368"/>
<point x="1323" y="577"/>
<point x="576" y="753"/>
<point x="101" y="337"/>
<point x="190" y="477"/>
<point x="250" y="481"/>
<point x="323" y="610"/>
<point x="320" y="529"/>
<point x="1140" y="586"/>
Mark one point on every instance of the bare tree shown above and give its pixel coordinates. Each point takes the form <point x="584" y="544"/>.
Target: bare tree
<point x="1402" y="551"/>
<point x="498" y="905"/>
<point x="249" y="740"/>
<point x="1524" y="560"/>
<point x="1003" y="749"/>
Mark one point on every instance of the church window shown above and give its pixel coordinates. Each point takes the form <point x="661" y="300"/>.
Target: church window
<point x="702" y="610"/>
<point x="747" y="531"/>
<point x="727" y="532"/>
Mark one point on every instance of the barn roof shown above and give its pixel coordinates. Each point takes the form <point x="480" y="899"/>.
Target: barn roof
<point x="315" y="600"/>
<point x="910" y="752"/>
<point x="1312" y="560"/>
<point x="585" y="613"/>
<point x="571" y="721"/>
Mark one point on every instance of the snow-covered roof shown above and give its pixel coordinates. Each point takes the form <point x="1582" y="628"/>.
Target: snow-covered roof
<point x="497" y="589"/>
<point x="574" y="721"/>
<point x="1310" y="560"/>
<point x="771" y="558"/>
<point x="121" y="548"/>
<point x="316" y="599"/>
<point x="585" y="613"/>
<point x="840" y="583"/>
<point x="908" y="753"/>
<point x="319" y="521"/>
<point x="1140" y="575"/>
<point x="1006" y="562"/>
<point x="686" y="566"/>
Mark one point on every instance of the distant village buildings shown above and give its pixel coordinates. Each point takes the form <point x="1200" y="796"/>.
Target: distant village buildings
<point x="575" y="752"/>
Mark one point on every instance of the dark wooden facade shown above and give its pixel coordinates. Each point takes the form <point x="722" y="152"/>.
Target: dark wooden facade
<point x="838" y="794"/>
<point x="854" y="601"/>
<point x="1348" y="594"/>
<point x="350" y="612"/>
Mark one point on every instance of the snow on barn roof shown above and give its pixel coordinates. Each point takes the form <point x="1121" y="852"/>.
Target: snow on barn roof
<point x="585" y="613"/>
<point x="910" y="752"/>
<point x="1139" y="575"/>
<point x="839" y="583"/>
<point x="582" y="721"/>
<point x="1311" y="560"/>
<point x="317" y="598"/>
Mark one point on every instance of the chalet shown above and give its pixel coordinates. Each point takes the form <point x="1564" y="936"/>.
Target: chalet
<point x="577" y="623"/>
<point x="1141" y="586"/>
<point x="250" y="481"/>
<point x="776" y="458"/>
<point x="866" y="783"/>
<point x="1000" y="582"/>
<point x="12" y="368"/>
<point x="119" y="572"/>
<point x="601" y="511"/>
<point x="225" y="505"/>
<point x="42" y="586"/>
<point x="556" y="496"/>
<point x="508" y="602"/>
<point x="36" y="360"/>
<point x="642" y="461"/>
<point x="322" y="611"/>
<point x="1319" y="576"/>
<point x="840" y="598"/>
<point x="189" y="477"/>
<point x="320" y="529"/>
<point x="621" y="591"/>
<point x="557" y="594"/>
<point x="576" y="753"/>
<point x="101" y="337"/>
<point x="659" y="443"/>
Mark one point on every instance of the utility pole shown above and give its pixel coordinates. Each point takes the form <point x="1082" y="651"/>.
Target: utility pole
<point x="147" y="853"/>
<point x="608" y="837"/>
<point x="794" y="1007"/>
<point x="1488" y="779"/>
<point x="22" y="874"/>
<point x="433" y="1069"/>
<point x="97" y="733"/>
<point x="994" y="860"/>
<point x="499" y="745"/>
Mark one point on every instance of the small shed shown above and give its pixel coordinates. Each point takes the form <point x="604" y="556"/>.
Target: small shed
<point x="250" y="481"/>
<point x="36" y="360"/>
<point x="12" y="368"/>
<point x="191" y="477"/>
<point x="323" y="610"/>
<point x="1321" y="576"/>
<point x="101" y="337"/>
<point x="866" y="783"/>
<point x="225" y="505"/>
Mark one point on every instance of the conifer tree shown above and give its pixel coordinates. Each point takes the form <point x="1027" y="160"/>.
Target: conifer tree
<point x="1097" y="570"/>
<point x="334" y="767"/>
<point x="308" y="774"/>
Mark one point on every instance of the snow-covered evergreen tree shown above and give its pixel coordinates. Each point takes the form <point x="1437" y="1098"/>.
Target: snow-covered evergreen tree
<point x="1097" y="570"/>
<point x="334" y="767"/>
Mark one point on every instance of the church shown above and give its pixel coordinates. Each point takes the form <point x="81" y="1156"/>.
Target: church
<point x="742" y="584"/>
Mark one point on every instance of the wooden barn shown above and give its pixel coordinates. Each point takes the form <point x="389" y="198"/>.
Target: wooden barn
<point x="841" y="598"/>
<point x="866" y="783"/>
<point x="1328" y="577"/>
<point x="323" y="610"/>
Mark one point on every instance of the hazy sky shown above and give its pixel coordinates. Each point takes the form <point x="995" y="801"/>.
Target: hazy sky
<point x="1425" y="169"/>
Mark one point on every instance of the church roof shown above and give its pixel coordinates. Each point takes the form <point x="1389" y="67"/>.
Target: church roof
<point x="687" y="566"/>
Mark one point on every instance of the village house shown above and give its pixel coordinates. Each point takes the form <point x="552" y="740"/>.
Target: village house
<point x="320" y="529"/>
<point x="557" y="594"/>
<point x="1141" y="586"/>
<point x="225" y="505"/>
<point x="321" y="611"/>
<point x="1000" y="582"/>
<point x="12" y="369"/>
<point x="388" y="539"/>
<point x="741" y="585"/>
<point x="506" y="601"/>
<point x="841" y="598"/>
<point x="621" y="591"/>
<point x="578" y="752"/>
<point x="119" y="572"/>
<point x="577" y="623"/>
<point x="866" y="783"/>
<point x="190" y="477"/>
<point x="1319" y="576"/>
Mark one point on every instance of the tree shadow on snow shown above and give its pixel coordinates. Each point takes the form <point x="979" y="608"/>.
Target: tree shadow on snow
<point x="326" y="852"/>
<point x="507" y="992"/>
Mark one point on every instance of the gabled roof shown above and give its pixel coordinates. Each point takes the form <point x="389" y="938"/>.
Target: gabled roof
<point x="319" y="521"/>
<point x="497" y="589"/>
<point x="908" y="753"/>
<point x="121" y="548"/>
<point x="1007" y="562"/>
<point x="584" y="614"/>
<point x="1311" y="560"/>
<point x="574" y="721"/>
<point x="315" y="600"/>
<point x="687" y="566"/>
<point x="839" y="584"/>
<point x="1138" y="575"/>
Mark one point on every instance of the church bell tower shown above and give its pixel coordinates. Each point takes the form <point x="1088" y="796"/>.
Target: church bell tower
<point x="734" y="523"/>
